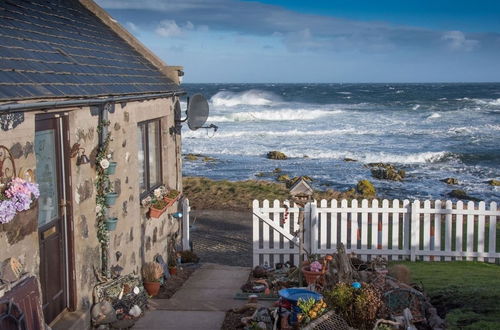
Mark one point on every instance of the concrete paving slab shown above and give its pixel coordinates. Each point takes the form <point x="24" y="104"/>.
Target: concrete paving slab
<point x="176" y="320"/>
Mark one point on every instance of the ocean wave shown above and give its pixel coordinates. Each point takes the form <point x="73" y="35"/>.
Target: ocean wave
<point x="249" y="97"/>
<point x="270" y="133"/>
<point x="344" y="93"/>
<point x="278" y="115"/>
<point x="434" y="116"/>
<point x="422" y="157"/>
<point x="488" y="102"/>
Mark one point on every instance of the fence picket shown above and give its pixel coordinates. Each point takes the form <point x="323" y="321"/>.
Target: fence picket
<point x="459" y="229"/>
<point x="426" y="235"/>
<point x="480" y="230"/>
<point x="437" y="230"/>
<point x="343" y="222"/>
<point x="364" y="226"/>
<point x="395" y="227"/>
<point x="323" y="214"/>
<point x="333" y="224"/>
<point x="448" y="228"/>
<point x="354" y="225"/>
<point x="385" y="225"/>
<point x="470" y="229"/>
<point x="428" y="231"/>
<point x="492" y="232"/>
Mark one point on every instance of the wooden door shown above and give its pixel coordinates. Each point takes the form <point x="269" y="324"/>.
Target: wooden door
<point x="50" y="175"/>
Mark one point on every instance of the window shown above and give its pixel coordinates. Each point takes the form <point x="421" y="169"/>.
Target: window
<point x="149" y="155"/>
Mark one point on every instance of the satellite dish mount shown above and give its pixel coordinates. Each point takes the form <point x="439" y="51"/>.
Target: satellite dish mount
<point x="196" y="114"/>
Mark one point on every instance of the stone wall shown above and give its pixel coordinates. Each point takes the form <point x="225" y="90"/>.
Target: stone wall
<point x="19" y="238"/>
<point x="137" y="238"/>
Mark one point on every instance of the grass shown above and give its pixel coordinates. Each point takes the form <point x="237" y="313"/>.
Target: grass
<point x="204" y="193"/>
<point x="468" y="292"/>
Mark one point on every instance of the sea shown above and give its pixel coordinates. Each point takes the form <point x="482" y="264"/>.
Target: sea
<point x="432" y="131"/>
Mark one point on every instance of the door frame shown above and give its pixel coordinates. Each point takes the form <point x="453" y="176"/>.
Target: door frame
<point x="63" y="131"/>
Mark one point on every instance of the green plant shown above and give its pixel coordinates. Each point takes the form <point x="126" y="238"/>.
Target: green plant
<point x="188" y="256"/>
<point x="158" y="203"/>
<point x="173" y="193"/>
<point x="310" y="309"/>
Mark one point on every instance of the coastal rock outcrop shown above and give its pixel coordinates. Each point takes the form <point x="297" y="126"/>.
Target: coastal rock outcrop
<point x="385" y="171"/>
<point x="461" y="194"/>
<point x="453" y="181"/>
<point x="347" y="159"/>
<point x="278" y="155"/>
<point x="494" y="182"/>
<point x="366" y="188"/>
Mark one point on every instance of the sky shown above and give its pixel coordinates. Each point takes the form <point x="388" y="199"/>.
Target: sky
<point x="336" y="41"/>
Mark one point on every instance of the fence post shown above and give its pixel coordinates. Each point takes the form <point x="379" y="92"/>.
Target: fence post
<point x="415" y="229"/>
<point x="311" y="227"/>
<point x="185" y="224"/>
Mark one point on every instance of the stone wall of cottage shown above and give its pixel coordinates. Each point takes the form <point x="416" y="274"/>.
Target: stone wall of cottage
<point x="137" y="238"/>
<point x="19" y="238"/>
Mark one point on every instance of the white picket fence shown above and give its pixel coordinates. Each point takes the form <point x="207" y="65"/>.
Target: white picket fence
<point x="397" y="230"/>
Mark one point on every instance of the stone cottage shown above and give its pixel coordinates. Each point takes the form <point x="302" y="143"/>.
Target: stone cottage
<point x="69" y="76"/>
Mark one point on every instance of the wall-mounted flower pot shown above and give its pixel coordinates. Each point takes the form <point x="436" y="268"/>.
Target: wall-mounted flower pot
<point x="155" y="213"/>
<point x="111" y="198"/>
<point x="111" y="168"/>
<point x="111" y="223"/>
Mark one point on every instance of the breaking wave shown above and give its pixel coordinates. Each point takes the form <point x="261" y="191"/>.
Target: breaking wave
<point x="278" y="115"/>
<point x="249" y="97"/>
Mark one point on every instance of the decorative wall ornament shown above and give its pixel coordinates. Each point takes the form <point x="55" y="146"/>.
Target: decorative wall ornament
<point x="11" y="120"/>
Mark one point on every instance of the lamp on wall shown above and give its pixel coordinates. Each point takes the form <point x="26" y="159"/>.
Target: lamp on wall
<point x="78" y="152"/>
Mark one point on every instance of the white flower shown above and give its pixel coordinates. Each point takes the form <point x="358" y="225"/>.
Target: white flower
<point x="98" y="208"/>
<point x="146" y="201"/>
<point x="158" y="192"/>
<point x="109" y="156"/>
<point x="104" y="163"/>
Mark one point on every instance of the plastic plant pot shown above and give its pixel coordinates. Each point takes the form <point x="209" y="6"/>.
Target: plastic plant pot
<point x="111" y="198"/>
<point x="111" y="223"/>
<point x="111" y="168"/>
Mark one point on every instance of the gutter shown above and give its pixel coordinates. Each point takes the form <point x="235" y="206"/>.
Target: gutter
<point x="21" y="107"/>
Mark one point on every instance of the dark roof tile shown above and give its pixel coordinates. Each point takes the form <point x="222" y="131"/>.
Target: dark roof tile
<point x="59" y="48"/>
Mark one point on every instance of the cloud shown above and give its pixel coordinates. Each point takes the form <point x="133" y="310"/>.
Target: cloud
<point x="457" y="40"/>
<point x="297" y="31"/>
<point x="169" y="28"/>
<point x="131" y="26"/>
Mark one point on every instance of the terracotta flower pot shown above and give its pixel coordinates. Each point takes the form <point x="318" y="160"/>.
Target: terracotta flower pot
<point x="311" y="277"/>
<point x="152" y="288"/>
<point x="156" y="213"/>
<point x="172" y="270"/>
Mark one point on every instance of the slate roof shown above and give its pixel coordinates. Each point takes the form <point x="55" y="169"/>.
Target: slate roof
<point x="54" y="48"/>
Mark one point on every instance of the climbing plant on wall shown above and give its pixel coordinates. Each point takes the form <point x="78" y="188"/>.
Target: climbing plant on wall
<point x="103" y="186"/>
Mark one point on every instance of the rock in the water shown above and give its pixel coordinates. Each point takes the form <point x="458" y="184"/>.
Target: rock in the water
<point x="191" y="157"/>
<point x="283" y="178"/>
<point x="366" y="188"/>
<point x="349" y="160"/>
<point x="276" y="155"/>
<point x="461" y="194"/>
<point x="450" y="181"/>
<point x="385" y="171"/>
<point x="494" y="182"/>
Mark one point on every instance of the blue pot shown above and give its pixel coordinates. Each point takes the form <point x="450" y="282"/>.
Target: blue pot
<point x="111" y="223"/>
<point x="111" y="198"/>
<point x="111" y="169"/>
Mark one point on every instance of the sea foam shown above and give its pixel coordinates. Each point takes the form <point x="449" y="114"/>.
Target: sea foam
<point x="249" y="97"/>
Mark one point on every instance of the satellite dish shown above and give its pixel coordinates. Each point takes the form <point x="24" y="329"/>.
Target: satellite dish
<point x="197" y="112"/>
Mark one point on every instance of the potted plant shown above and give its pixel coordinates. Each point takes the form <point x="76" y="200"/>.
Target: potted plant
<point x="157" y="207"/>
<point x="151" y="274"/>
<point x="111" y="197"/>
<point x="111" y="223"/>
<point x="111" y="169"/>
<point x="172" y="196"/>
<point x="172" y="266"/>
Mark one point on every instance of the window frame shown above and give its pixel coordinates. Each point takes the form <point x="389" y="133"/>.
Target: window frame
<point x="144" y="127"/>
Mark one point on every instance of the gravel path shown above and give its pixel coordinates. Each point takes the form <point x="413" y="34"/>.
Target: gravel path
<point x="222" y="237"/>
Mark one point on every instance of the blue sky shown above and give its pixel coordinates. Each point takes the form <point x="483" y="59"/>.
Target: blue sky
<point x="320" y="41"/>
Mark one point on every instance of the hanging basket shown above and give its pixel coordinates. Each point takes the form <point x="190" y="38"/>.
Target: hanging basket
<point x="111" y="198"/>
<point x="111" y="223"/>
<point x="111" y="168"/>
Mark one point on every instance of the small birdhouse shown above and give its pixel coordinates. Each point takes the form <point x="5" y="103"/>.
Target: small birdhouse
<point x="301" y="191"/>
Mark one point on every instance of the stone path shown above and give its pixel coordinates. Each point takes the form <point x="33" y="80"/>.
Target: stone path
<point x="223" y="237"/>
<point x="201" y="303"/>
